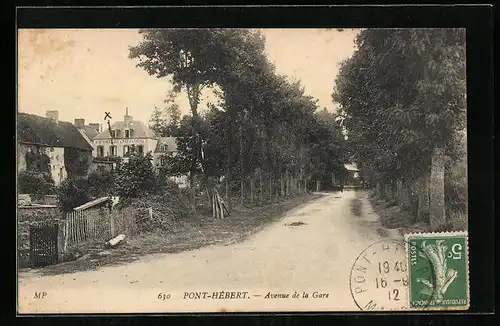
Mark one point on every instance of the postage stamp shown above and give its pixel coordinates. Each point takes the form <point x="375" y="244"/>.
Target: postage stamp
<point x="438" y="270"/>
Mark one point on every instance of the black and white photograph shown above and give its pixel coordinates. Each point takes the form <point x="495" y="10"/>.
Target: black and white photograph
<point x="172" y="170"/>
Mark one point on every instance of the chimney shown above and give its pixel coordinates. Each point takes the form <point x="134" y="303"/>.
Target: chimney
<point x="127" y="118"/>
<point x="53" y="115"/>
<point x="96" y="126"/>
<point x="80" y="123"/>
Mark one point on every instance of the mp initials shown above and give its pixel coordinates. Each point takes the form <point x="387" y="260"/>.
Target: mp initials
<point x="40" y="295"/>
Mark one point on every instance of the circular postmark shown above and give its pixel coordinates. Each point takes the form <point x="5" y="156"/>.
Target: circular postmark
<point x="379" y="277"/>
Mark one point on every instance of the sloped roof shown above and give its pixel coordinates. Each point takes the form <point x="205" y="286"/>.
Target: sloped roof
<point x="90" y="132"/>
<point x="91" y="203"/>
<point x="33" y="129"/>
<point x="140" y="130"/>
<point x="169" y="141"/>
<point x="351" y="167"/>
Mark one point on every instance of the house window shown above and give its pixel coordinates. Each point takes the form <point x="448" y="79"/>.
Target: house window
<point x="126" y="150"/>
<point x="140" y="149"/>
<point x="112" y="150"/>
<point x="113" y="133"/>
<point x="163" y="148"/>
<point x="129" y="133"/>
<point x="163" y="160"/>
<point x="100" y="151"/>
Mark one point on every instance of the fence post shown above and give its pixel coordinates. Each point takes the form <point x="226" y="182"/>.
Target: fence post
<point x="112" y="223"/>
<point x="66" y="233"/>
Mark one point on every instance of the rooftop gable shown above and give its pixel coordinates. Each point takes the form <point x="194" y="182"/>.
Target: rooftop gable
<point x="33" y="129"/>
<point x="169" y="141"/>
<point x="140" y="130"/>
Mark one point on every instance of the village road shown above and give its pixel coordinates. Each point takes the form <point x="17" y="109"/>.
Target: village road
<point x="316" y="256"/>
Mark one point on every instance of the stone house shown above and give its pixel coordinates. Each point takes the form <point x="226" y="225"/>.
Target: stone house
<point x="51" y="146"/>
<point x="122" y="137"/>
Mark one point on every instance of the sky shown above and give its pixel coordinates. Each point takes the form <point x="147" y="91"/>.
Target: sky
<point x="84" y="73"/>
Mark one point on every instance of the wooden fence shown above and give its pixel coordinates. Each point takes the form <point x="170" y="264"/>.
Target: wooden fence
<point x="96" y="225"/>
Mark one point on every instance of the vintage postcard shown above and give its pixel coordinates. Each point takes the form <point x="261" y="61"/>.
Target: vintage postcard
<point x="241" y="170"/>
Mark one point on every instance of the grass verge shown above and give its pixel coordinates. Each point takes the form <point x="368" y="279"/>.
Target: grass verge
<point x="393" y="217"/>
<point x="197" y="232"/>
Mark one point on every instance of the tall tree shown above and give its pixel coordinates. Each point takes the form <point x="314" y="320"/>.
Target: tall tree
<point x="193" y="59"/>
<point x="403" y="98"/>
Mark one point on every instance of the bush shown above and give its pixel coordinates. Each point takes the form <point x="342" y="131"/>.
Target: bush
<point x="76" y="163"/>
<point x="136" y="178"/>
<point x="72" y="193"/>
<point x="37" y="161"/>
<point x="169" y="206"/>
<point x="35" y="183"/>
<point x="101" y="183"/>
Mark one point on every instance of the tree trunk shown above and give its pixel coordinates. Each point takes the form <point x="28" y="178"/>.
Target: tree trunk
<point x="242" y="190"/>
<point x="228" y="198"/>
<point x="282" y="186"/>
<point x="412" y="197"/>
<point x="405" y="194"/>
<point x="423" y="198"/>
<point x="261" y="189"/>
<point x="229" y="192"/>
<point x="242" y="186"/>
<point x="270" y="187"/>
<point x="381" y="189"/>
<point x="399" y="192"/>
<point x="436" y="189"/>
<point x="251" y="189"/>
<point x="214" y="205"/>
<point x="317" y="185"/>
<point x="289" y="184"/>
<point x="387" y="191"/>
<point x="192" y="191"/>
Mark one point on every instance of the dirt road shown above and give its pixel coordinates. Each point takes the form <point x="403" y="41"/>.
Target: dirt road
<point x="316" y="256"/>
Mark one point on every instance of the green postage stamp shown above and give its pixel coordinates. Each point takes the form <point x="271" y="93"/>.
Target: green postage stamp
<point x="438" y="270"/>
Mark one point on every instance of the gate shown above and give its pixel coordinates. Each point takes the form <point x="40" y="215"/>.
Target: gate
<point x="43" y="244"/>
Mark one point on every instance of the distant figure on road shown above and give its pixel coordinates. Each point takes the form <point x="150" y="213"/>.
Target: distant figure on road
<point x="341" y="188"/>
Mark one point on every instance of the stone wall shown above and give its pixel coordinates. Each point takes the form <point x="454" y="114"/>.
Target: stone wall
<point x="27" y="215"/>
<point x="38" y="213"/>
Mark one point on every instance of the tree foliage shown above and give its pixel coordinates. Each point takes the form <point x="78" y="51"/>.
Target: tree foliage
<point x="35" y="183"/>
<point x="136" y="177"/>
<point x="402" y="94"/>
<point x="265" y="126"/>
<point x="72" y="193"/>
<point x="76" y="162"/>
<point x="101" y="183"/>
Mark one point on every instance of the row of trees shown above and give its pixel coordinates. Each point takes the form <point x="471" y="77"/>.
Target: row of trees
<point x="264" y="138"/>
<point x="402" y="96"/>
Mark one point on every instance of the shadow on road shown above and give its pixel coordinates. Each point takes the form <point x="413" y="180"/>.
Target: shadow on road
<point x="356" y="206"/>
